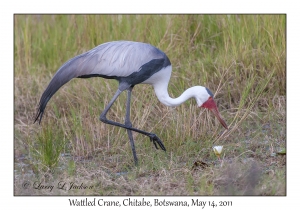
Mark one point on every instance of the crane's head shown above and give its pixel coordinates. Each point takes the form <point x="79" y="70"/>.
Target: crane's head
<point x="206" y="100"/>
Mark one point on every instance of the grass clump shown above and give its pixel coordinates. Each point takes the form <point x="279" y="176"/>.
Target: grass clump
<point x="47" y="148"/>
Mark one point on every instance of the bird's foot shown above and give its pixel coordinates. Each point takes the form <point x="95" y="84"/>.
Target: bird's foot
<point x="156" y="141"/>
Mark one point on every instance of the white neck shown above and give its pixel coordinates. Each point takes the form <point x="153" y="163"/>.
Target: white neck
<point x="163" y="95"/>
<point x="160" y="81"/>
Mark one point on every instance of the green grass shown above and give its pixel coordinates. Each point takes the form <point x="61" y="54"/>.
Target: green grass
<point x="47" y="148"/>
<point x="241" y="58"/>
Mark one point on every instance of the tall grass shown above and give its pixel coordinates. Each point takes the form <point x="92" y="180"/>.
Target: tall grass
<point x="242" y="58"/>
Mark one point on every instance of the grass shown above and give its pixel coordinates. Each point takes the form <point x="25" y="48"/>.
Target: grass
<point x="241" y="58"/>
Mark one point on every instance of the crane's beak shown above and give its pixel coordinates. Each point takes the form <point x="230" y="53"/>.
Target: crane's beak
<point x="211" y="105"/>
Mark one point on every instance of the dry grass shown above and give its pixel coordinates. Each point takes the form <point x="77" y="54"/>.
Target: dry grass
<point x="240" y="57"/>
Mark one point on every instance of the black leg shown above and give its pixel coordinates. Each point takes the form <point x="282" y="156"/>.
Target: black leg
<point x="128" y="123"/>
<point x="103" y="118"/>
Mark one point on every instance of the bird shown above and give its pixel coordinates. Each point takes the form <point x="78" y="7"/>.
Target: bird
<point x="130" y="63"/>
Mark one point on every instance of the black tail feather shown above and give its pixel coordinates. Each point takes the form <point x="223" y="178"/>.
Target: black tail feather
<point x="60" y="78"/>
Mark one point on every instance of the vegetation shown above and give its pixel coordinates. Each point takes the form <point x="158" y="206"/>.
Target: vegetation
<point x="241" y="58"/>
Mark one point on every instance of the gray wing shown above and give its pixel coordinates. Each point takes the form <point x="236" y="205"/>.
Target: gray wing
<point x="112" y="59"/>
<point x="118" y="59"/>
